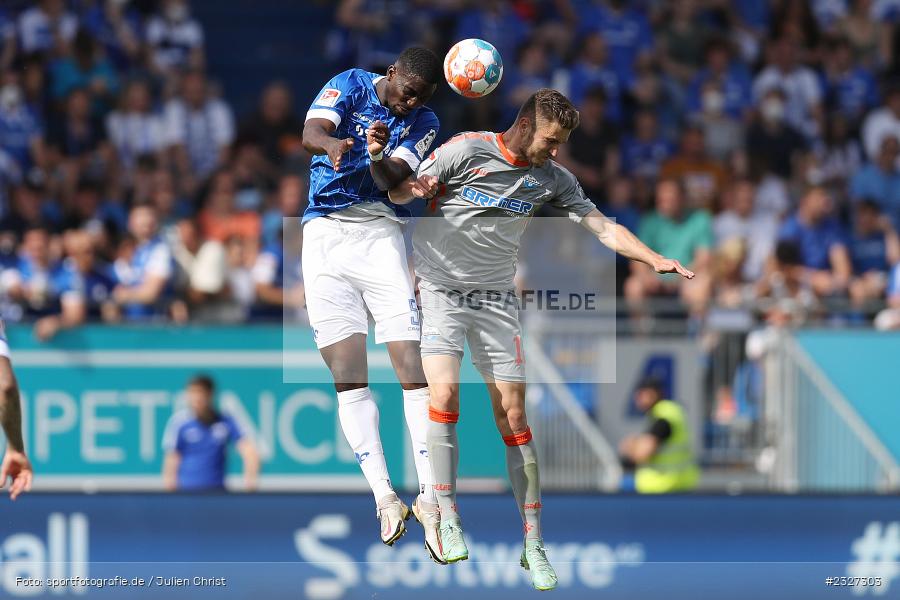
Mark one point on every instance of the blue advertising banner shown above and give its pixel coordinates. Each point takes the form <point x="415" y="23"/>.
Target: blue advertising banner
<point x="97" y="400"/>
<point x="326" y="547"/>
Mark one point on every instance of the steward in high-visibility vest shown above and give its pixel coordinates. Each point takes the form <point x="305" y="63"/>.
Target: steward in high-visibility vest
<point x="663" y="455"/>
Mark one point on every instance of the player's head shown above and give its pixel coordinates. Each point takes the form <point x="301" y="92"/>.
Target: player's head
<point x="649" y="391"/>
<point x="412" y="80"/>
<point x="199" y="394"/>
<point x="544" y="122"/>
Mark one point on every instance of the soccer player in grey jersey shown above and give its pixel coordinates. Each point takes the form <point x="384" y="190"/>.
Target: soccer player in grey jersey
<point x="490" y="184"/>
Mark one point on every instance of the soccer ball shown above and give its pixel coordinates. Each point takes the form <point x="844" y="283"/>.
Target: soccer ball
<point x="473" y="68"/>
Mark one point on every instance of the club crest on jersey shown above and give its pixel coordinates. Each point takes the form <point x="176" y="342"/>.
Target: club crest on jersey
<point x="477" y="198"/>
<point x="405" y="131"/>
<point x="329" y="97"/>
<point x="530" y="182"/>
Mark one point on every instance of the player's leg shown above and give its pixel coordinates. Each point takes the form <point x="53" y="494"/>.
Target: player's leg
<point x="498" y="353"/>
<point x="442" y="371"/>
<point x="340" y="323"/>
<point x="508" y="403"/>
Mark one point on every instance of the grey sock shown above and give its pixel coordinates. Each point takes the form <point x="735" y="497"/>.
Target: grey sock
<point x="443" y="452"/>
<point x="522" y="465"/>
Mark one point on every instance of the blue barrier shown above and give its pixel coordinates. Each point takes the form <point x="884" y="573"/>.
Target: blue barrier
<point x="325" y="547"/>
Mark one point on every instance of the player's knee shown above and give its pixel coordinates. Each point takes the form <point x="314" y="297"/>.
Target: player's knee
<point x="348" y="377"/>
<point x="513" y="421"/>
<point x="445" y="398"/>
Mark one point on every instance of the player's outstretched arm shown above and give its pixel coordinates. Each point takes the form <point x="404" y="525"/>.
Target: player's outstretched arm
<point x="387" y="171"/>
<point x="317" y="139"/>
<point x="621" y="240"/>
<point x="413" y="188"/>
<point x="15" y="463"/>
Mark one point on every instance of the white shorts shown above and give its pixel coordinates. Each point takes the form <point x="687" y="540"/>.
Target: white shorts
<point x="351" y="267"/>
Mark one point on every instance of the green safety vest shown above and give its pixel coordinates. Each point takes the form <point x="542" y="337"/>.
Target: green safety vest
<point x="673" y="467"/>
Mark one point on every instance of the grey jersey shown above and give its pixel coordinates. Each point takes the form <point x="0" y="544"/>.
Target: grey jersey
<point x="469" y="234"/>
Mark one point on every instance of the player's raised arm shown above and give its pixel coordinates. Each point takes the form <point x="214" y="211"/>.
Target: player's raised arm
<point x="325" y="115"/>
<point x="317" y="139"/>
<point x="619" y="239"/>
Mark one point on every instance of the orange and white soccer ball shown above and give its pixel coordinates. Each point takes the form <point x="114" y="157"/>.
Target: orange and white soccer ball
<point x="473" y="68"/>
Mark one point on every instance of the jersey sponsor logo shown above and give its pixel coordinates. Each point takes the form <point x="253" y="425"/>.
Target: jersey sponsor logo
<point x="478" y="198"/>
<point x="329" y="97"/>
<point x="530" y="182"/>
<point x="362" y="117"/>
<point x="424" y="144"/>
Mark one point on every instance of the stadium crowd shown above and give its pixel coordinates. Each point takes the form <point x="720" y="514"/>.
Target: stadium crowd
<point x="756" y="141"/>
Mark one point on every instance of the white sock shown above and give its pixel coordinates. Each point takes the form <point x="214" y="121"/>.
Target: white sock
<point x="415" y="409"/>
<point x="359" y="421"/>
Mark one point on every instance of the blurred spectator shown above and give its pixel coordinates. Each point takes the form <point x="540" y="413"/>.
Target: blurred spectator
<point x="144" y="280"/>
<point x="755" y="229"/>
<point x="134" y="129"/>
<point x="76" y="142"/>
<point x="785" y="291"/>
<point x="47" y="27"/>
<point x="21" y="133"/>
<point x="196" y="441"/>
<point x="592" y="153"/>
<point x="276" y="289"/>
<point x="882" y="122"/>
<point x="117" y="28"/>
<point x="723" y="134"/>
<point x="803" y="107"/>
<point x="590" y="71"/>
<point x="839" y="156"/>
<point x="662" y="454"/>
<point x="682" y="234"/>
<point x="87" y="210"/>
<point x="874" y="247"/>
<point x="494" y="20"/>
<point x="730" y="76"/>
<point x="287" y="202"/>
<point x="85" y="290"/>
<point x="87" y="69"/>
<point x="794" y="20"/>
<point x="869" y="38"/>
<point x="772" y="143"/>
<point x="220" y="218"/>
<point x="275" y="125"/>
<point x="644" y="152"/>
<point x="28" y="209"/>
<point x="889" y="318"/>
<point x="620" y="206"/>
<point x="10" y="176"/>
<point x="822" y="242"/>
<point x="7" y="39"/>
<point x="37" y="279"/>
<point x="35" y="90"/>
<point x="624" y="28"/>
<point x="649" y="88"/>
<point x="702" y="178"/>
<point x="199" y="129"/>
<point x="682" y="40"/>
<point x="880" y="180"/>
<point x="531" y="73"/>
<point x="378" y="30"/>
<point x="849" y="88"/>
<point x="170" y="206"/>
<point x="174" y="39"/>
<point x="253" y="176"/>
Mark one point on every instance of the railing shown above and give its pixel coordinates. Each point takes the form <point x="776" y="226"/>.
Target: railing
<point x="819" y="441"/>
<point x="573" y="452"/>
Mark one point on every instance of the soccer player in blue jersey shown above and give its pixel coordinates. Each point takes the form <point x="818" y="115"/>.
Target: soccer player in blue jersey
<point x="354" y="259"/>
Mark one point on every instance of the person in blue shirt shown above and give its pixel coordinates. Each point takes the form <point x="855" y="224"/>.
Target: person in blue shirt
<point x="86" y="287"/>
<point x="644" y="152"/>
<point x="822" y="242"/>
<point x="731" y="75"/>
<point x="196" y="442"/>
<point x="880" y="180"/>
<point x="37" y="280"/>
<point x="874" y="247"/>
<point x="849" y="87"/>
<point x="354" y="259"/>
<point x="146" y="283"/>
<point x="21" y="133"/>
<point x="592" y="70"/>
<point x="626" y="31"/>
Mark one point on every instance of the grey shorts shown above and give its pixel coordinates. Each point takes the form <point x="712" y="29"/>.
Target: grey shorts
<point x="487" y="319"/>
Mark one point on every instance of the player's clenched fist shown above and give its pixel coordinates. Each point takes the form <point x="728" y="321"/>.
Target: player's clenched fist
<point x="425" y="186"/>
<point x="336" y="151"/>
<point x="377" y="137"/>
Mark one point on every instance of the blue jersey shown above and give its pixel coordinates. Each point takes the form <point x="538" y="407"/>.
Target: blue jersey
<point x="202" y="448"/>
<point x="150" y="258"/>
<point x="92" y="289"/>
<point x="350" y="102"/>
